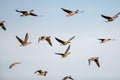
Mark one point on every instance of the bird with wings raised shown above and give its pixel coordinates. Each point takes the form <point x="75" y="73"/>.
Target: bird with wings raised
<point x="68" y="78"/>
<point x="65" y="42"/>
<point x="65" y="54"/>
<point x="2" y="25"/>
<point x="14" y="64"/>
<point x="26" y="13"/>
<point x="110" y="19"/>
<point x="70" y="13"/>
<point x="25" y="41"/>
<point x="47" y="38"/>
<point x="41" y="73"/>
<point x="95" y="59"/>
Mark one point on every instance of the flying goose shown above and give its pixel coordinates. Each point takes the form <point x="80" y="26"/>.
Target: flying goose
<point x="103" y="40"/>
<point x="110" y="19"/>
<point x="26" y="13"/>
<point x="2" y="25"/>
<point x="41" y="73"/>
<point x="47" y="38"/>
<point x="14" y="64"/>
<point x="25" y="41"/>
<point x="70" y="13"/>
<point x="94" y="59"/>
<point x="68" y="77"/>
<point x="65" y="54"/>
<point x="64" y="42"/>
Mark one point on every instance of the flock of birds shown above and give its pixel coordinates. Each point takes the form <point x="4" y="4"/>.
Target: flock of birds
<point x="25" y="42"/>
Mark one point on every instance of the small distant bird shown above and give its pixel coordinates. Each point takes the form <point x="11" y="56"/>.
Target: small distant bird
<point x="2" y="25"/>
<point x="41" y="73"/>
<point x="65" y="42"/>
<point x="47" y="38"/>
<point x="95" y="59"/>
<point x="68" y="77"/>
<point x="65" y="54"/>
<point x="14" y="64"/>
<point x="105" y="40"/>
<point x="70" y="13"/>
<point x="110" y="19"/>
<point x="25" y="41"/>
<point x="26" y="13"/>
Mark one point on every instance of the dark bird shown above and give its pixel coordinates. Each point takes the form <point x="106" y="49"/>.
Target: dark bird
<point x="14" y="64"/>
<point x="25" y="41"/>
<point x="95" y="59"/>
<point x="70" y="13"/>
<point x="110" y="19"/>
<point x="65" y="42"/>
<point x="2" y="25"/>
<point x="41" y="73"/>
<point x="68" y="77"/>
<point x="65" y="54"/>
<point x="103" y="40"/>
<point x="26" y="13"/>
<point x="47" y="38"/>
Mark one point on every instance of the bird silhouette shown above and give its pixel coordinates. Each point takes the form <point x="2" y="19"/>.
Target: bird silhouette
<point x="95" y="59"/>
<point x="2" y="25"/>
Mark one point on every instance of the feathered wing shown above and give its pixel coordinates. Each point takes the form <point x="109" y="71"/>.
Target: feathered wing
<point x="117" y="14"/>
<point x="106" y="17"/>
<point x="49" y="41"/>
<point x="61" y="41"/>
<point x="3" y="27"/>
<point x="26" y="37"/>
<point x="38" y="71"/>
<point x="21" y="11"/>
<point x="97" y="62"/>
<point x="67" y="49"/>
<point x="89" y="62"/>
<point x="20" y="40"/>
<point x="68" y="11"/>
<point x="71" y="38"/>
<point x="59" y="53"/>
<point x="101" y="40"/>
<point x="32" y="14"/>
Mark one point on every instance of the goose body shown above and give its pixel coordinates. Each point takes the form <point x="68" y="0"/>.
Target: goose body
<point x="2" y="25"/>
<point x="95" y="59"/>
<point x="65" y="54"/>
<point x="26" y="13"/>
<point x="65" y="42"/>
<point x="14" y="64"/>
<point x="105" y="40"/>
<point x="47" y="38"/>
<point x="68" y="77"/>
<point x="110" y="19"/>
<point x="25" y="41"/>
<point x="41" y="73"/>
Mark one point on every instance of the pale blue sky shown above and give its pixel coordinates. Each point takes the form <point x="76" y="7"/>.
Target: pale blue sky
<point x="87" y="27"/>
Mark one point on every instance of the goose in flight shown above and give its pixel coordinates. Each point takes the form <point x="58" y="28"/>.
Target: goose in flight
<point x="68" y="77"/>
<point x="2" y="25"/>
<point x="26" y="13"/>
<point x="105" y="40"/>
<point x="41" y="73"/>
<point x="110" y="19"/>
<point x="64" y="42"/>
<point x="25" y="41"/>
<point x="95" y="59"/>
<point x="47" y="38"/>
<point x="65" y="54"/>
<point x="70" y="13"/>
<point x="14" y="64"/>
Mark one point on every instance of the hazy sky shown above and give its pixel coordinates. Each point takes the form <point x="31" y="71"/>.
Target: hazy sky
<point x="87" y="27"/>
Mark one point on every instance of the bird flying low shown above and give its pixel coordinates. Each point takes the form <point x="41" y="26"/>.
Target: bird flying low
<point x="14" y="64"/>
<point x="64" y="42"/>
<point x="71" y="13"/>
<point x="65" y="54"/>
<point x="25" y="41"/>
<point x="41" y="73"/>
<point x="2" y="25"/>
<point x="47" y="38"/>
<point x="95" y="59"/>
<point x="110" y="19"/>
<point x="26" y="13"/>
<point x="68" y="77"/>
<point x="103" y="40"/>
